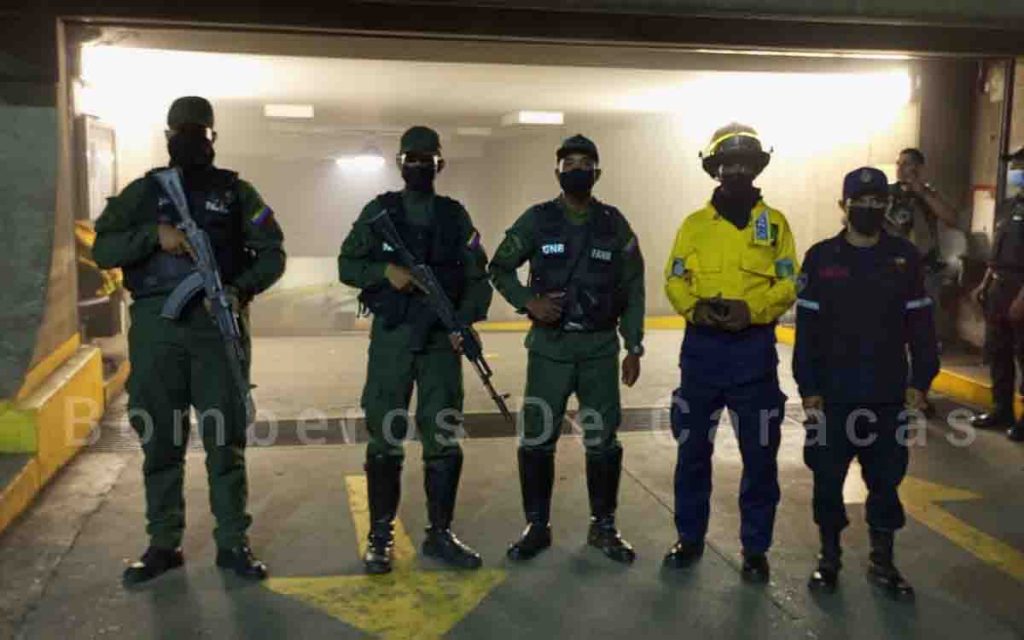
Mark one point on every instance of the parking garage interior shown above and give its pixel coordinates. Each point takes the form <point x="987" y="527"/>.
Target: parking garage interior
<point x="313" y="121"/>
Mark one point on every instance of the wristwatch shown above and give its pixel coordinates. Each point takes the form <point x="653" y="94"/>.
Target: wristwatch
<point x="637" y="350"/>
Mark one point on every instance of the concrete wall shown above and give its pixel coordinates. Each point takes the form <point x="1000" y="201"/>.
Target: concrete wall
<point x="35" y="314"/>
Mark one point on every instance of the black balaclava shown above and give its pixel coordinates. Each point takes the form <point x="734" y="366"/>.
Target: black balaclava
<point x="419" y="177"/>
<point x="190" y="149"/>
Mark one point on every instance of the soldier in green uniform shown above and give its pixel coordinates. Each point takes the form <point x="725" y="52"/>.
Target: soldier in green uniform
<point x="177" y="364"/>
<point x="409" y="347"/>
<point x="586" y="280"/>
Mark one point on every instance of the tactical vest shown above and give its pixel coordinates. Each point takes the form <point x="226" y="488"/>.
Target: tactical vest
<point x="1008" y="254"/>
<point x="440" y="246"/>
<point x="583" y="261"/>
<point x="215" y="207"/>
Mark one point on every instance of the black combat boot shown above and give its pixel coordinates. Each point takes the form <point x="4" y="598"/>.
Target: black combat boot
<point x="536" y="480"/>
<point x="755" y="568"/>
<point x="603" y="474"/>
<point x="683" y="554"/>
<point x="881" y="570"/>
<point x="441" y="482"/>
<point x="1000" y="417"/>
<point x="826" y="577"/>
<point x="384" y="488"/>
<point x="241" y="560"/>
<point x="154" y="562"/>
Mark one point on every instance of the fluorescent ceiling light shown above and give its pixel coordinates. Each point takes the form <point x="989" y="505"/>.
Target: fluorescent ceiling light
<point x="480" y="132"/>
<point x="295" y="111"/>
<point x="533" y="117"/>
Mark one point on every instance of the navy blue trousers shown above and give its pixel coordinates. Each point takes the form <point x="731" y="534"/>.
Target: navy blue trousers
<point x="757" y="408"/>
<point x="871" y="437"/>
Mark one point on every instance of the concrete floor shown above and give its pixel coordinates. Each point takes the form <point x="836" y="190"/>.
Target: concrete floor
<point x="326" y="374"/>
<point x="60" y="564"/>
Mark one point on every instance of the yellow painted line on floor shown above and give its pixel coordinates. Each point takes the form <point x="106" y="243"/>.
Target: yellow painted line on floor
<point x="921" y="500"/>
<point x="405" y="604"/>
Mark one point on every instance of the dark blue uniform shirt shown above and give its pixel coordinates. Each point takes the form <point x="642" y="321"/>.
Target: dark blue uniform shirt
<point x="860" y="312"/>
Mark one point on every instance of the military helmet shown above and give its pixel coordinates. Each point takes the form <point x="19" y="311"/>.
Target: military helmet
<point x="190" y="110"/>
<point x="735" y="143"/>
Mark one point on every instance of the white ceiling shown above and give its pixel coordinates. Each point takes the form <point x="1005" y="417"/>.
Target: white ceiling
<point x="373" y="86"/>
<point x="359" y="99"/>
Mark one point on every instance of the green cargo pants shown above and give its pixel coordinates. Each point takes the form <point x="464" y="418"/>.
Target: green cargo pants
<point x="175" y="365"/>
<point x="549" y="383"/>
<point x="391" y="374"/>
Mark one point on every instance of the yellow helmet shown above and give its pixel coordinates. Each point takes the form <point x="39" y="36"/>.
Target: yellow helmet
<point x="735" y="143"/>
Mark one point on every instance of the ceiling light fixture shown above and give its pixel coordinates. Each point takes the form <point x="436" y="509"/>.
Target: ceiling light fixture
<point x="290" y="111"/>
<point x="533" y="117"/>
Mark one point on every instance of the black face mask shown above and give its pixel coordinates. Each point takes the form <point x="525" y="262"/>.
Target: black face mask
<point x="419" y="177"/>
<point x="578" y="181"/>
<point x="190" y="149"/>
<point x="737" y="184"/>
<point x="866" y="220"/>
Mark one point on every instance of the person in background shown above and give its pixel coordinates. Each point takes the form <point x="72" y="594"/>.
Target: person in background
<point x="1001" y="295"/>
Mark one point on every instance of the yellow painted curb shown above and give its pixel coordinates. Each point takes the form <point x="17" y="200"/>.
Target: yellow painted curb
<point x="18" y="494"/>
<point x="51" y="422"/>
<point x="39" y="373"/>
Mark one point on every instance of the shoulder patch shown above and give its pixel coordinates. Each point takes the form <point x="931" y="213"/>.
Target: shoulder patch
<point x="262" y="216"/>
<point x="678" y="267"/>
<point x="801" y="282"/>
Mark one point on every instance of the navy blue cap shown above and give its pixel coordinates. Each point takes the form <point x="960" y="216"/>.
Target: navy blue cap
<point x="865" y="181"/>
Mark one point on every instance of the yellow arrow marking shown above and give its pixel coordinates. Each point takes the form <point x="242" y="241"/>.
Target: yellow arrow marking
<point x="920" y="500"/>
<point x="403" y="604"/>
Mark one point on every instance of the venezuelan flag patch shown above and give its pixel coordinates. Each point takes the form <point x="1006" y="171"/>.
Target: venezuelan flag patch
<point x="474" y="241"/>
<point x="262" y="216"/>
